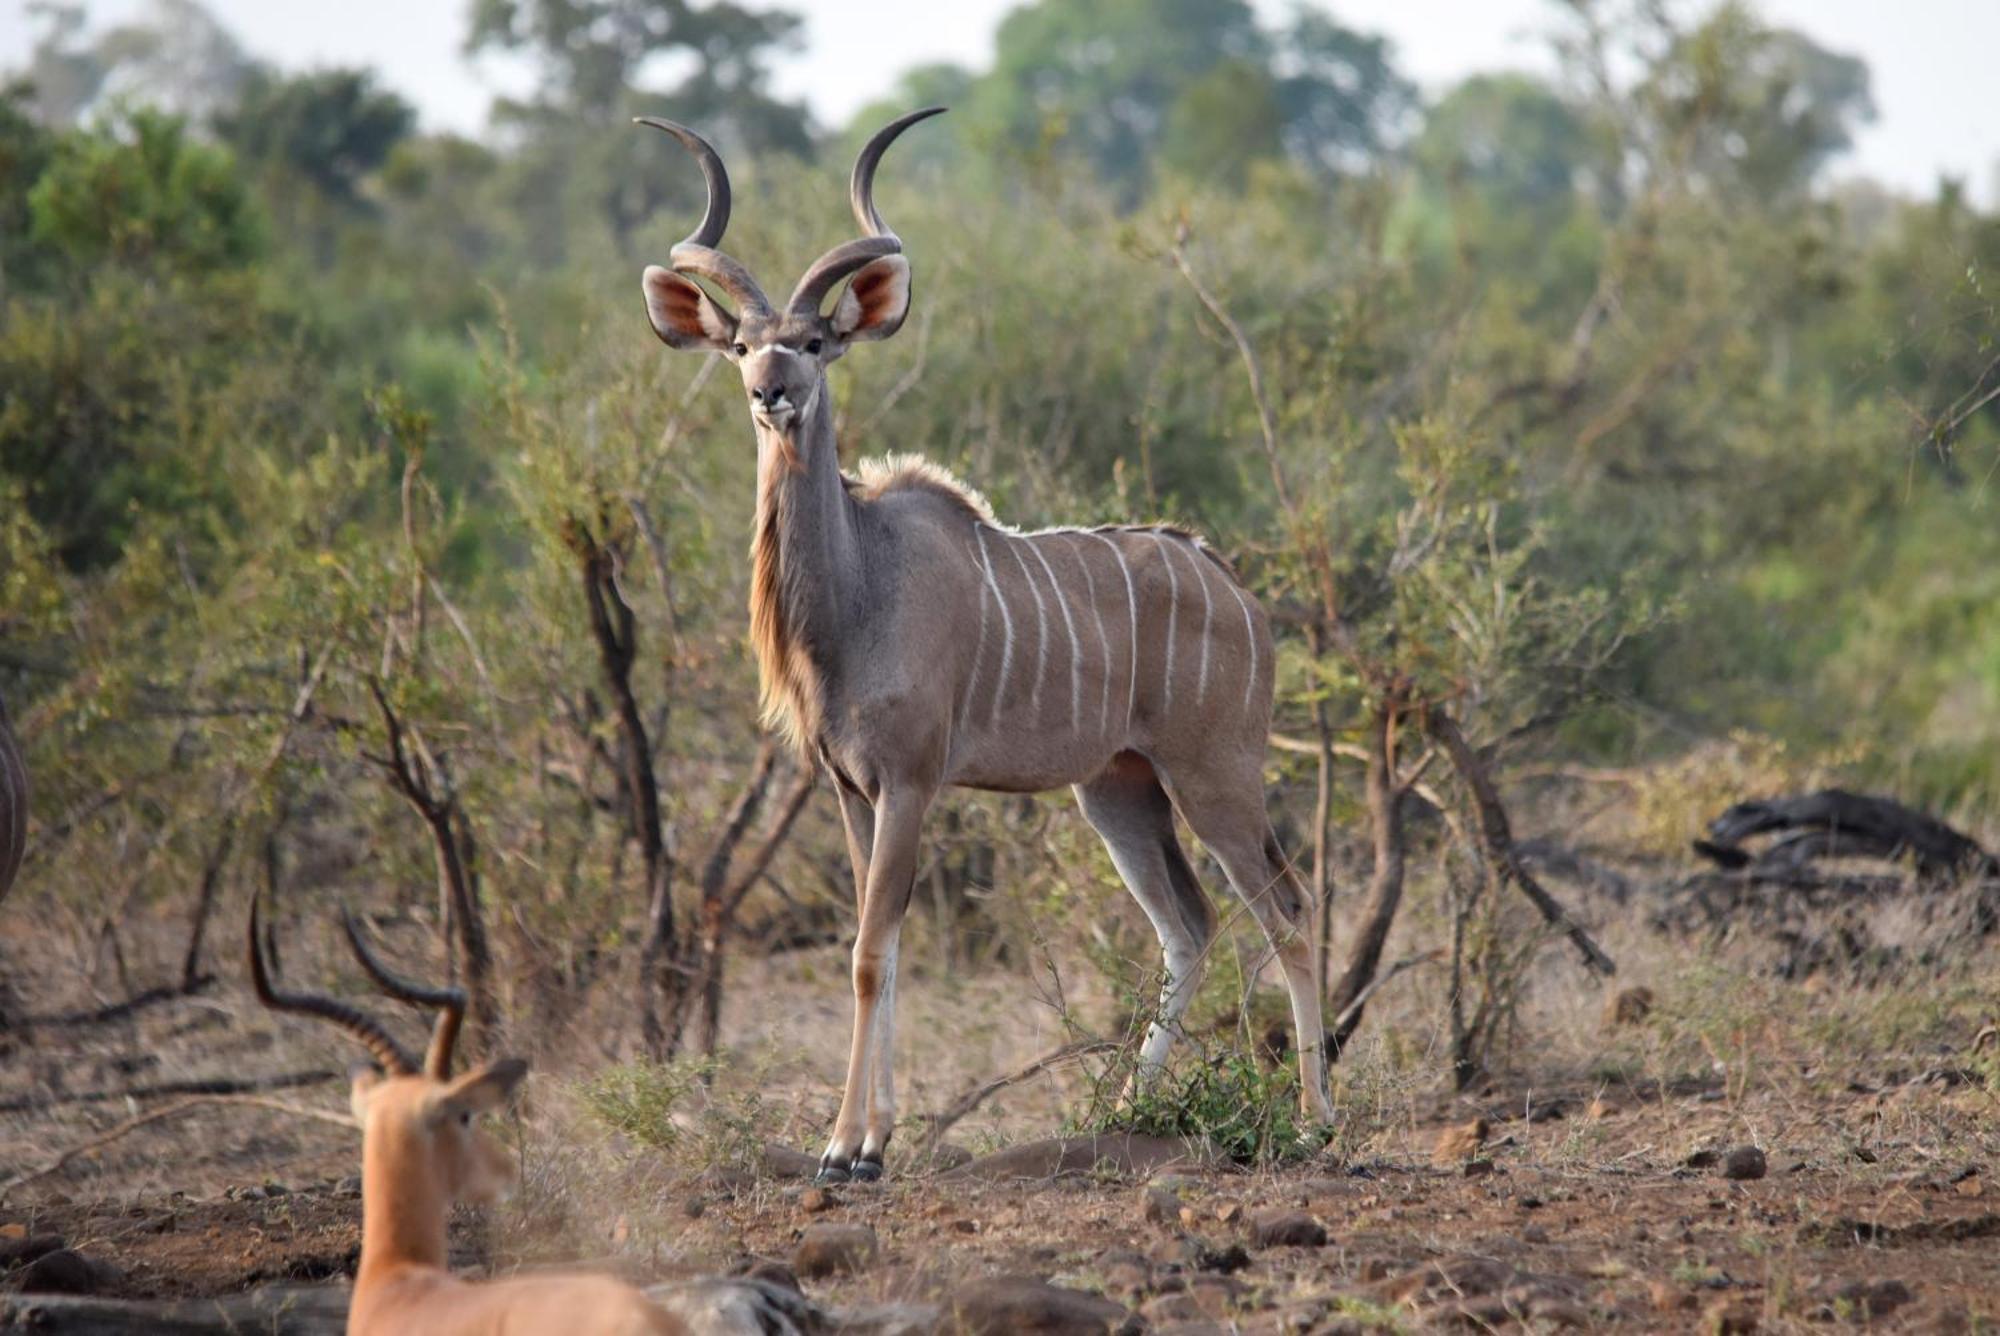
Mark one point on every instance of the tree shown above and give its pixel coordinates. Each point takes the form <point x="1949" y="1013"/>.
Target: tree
<point x="1196" y="83"/>
<point x="331" y="127"/>
<point x="594" y="56"/>
<point x="142" y="192"/>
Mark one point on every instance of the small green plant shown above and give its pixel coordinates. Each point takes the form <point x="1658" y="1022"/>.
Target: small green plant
<point x="674" y="1108"/>
<point x="1244" y="1112"/>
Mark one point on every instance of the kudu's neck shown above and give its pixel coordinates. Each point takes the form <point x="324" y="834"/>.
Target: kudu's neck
<point x="403" y="1208"/>
<point x="805" y="556"/>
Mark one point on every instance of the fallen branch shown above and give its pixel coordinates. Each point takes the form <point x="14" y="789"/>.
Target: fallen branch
<point x="970" y="1100"/>
<point x="1345" y="1022"/>
<point x="1497" y="840"/>
<point x="1836" y="824"/>
<point x="118" y="1011"/>
<point x="159" y="1090"/>
<point x="159" y="1115"/>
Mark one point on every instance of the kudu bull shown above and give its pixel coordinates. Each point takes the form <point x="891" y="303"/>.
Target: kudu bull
<point x="908" y="641"/>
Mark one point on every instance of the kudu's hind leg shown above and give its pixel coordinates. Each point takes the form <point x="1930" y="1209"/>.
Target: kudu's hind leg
<point x="892" y="861"/>
<point x="1226" y="813"/>
<point x="1129" y="810"/>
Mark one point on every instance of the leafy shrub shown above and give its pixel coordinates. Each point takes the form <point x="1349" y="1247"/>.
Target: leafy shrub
<point x="1246" y="1113"/>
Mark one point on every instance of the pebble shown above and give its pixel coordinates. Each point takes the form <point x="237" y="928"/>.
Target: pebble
<point x="1744" y="1163"/>
<point x="1286" y="1229"/>
<point x="834" y="1249"/>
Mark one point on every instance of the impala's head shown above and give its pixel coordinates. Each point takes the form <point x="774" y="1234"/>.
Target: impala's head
<point x="782" y="352"/>
<point x="420" y="1118"/>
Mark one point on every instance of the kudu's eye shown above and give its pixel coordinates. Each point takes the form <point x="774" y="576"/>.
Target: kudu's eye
<point x="741" y="349"/>
<point x="812" y="346"/>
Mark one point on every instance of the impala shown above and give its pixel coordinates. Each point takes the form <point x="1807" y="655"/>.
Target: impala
<point x="422" y="1149"/>
<point x="908" y="641"/>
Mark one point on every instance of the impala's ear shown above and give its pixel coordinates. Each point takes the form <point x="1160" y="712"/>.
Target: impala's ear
<point x="876" y="300"/>
<point x="683" y="315"/>
<point x="483" y="1088"/>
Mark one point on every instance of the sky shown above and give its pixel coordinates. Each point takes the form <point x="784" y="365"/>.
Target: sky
<point x="1934" y="89"/>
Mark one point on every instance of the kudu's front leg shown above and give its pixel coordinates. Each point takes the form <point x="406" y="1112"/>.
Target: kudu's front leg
<point x="867" y="1106"/>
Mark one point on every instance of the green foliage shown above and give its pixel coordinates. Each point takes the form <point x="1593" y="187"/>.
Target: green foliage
<point x="330" y="127"/>
<point x="1248" y="1114"/>
<point x="143" y="192"/>
<point x="673" y="1108"/>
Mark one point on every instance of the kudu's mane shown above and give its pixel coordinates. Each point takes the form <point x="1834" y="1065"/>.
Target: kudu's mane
<point x="789" y="685"/>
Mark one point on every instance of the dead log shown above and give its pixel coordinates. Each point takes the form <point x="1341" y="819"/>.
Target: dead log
<point x="192" y="986"/>
<point x="1834" y="823"/>
<point x="217" y="1085"/>
<point x="287" y="1310"/>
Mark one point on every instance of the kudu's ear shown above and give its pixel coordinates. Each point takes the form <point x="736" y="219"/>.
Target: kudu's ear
<point x="683" y="315"/>
<point x="876" y="300"/>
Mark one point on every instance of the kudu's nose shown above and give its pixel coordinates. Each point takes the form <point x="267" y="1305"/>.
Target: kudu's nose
<point x="770" y="394"/>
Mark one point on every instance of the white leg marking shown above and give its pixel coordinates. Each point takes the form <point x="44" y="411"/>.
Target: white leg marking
<point x="1103" y="641"/>
<point x="1075" y="649"/>
<point x="1041" y="636"/>
<point x="1207" y="609"/>
<point x="1173" y="615"/>
<point x="1250" y="639"/>
<point x="1132" y="608"/>
<point x="1006" y="626"/>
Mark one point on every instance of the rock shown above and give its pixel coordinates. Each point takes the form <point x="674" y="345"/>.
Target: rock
<point x="1866" y="1299"/>
<point x="1478" y="1168"/>
<point x="1730" y="1317"/>
<point x="1459" y="1142"/>
<point x="1744" y="1163"/>
<point x="1008" y="1304"/>
<point x="1703" y="1159"/>
<point x="832" y="1250"/>
<point x="1159" y="1206"/>
<point x="65" y="1271"/>
<point x="1204" y="1301"/>
<point x="13" y="1229"/>
<point x="1202" y="1255"/>
<point x="1286" y="1229"/>
<point x="1667" y="1297"/>
<point x="1534" y="1234"/>
<point x="1229" y="1212"/>
<point x="1629" y="1006"/>
<point x="814" y="1200"/>
<point x="1470" y="1277"/>
<point x="21" y="1249"/>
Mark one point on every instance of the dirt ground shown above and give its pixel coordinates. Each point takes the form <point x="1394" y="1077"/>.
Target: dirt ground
<point x="1597" y="1194"/>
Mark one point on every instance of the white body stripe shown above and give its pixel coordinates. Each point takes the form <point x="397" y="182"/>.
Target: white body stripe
<point x="1006" y="627"/>
<point x="1103" y="640"/>
<point x="1250" y="639"/>
<point x="1041" y="636"/>
<point x="1132" y="607"/>
<point x="1075" y="648"/>
<point x="978" y="654"/>
<point x="1173" y="615"/>
<point x="1207" y="611"/>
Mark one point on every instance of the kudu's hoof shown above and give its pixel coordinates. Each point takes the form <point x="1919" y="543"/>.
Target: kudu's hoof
<point x="831" y="1174"/>
<point x="867" y="1171"/>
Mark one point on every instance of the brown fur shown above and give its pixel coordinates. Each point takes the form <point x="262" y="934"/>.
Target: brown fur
<point x="788" y="685"/>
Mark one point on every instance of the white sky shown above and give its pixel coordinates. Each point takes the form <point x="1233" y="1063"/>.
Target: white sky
<point x="1932" y="60"/>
